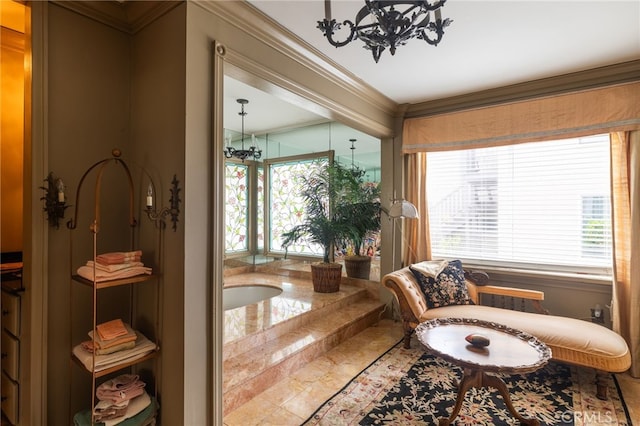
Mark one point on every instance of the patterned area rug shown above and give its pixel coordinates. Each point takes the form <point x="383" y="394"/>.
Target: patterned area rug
<point x="410" y="387"/>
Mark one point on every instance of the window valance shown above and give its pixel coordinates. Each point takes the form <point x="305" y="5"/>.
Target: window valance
<point x="602" y="110"/>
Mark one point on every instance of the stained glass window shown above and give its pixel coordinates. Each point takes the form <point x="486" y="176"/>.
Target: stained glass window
<point x="286" y="205"/>
<point x="261" y="212"/>
<point x="237" y="207"/>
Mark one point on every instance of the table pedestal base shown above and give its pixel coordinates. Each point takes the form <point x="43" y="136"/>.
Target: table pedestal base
<point x="477" y="379"/>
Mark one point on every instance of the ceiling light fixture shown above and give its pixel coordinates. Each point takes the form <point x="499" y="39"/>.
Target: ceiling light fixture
<point x="387" y="26"/>
<point x="242" y="154"/>
<point x="353" y="150"/>
<point x="355" y="170"/>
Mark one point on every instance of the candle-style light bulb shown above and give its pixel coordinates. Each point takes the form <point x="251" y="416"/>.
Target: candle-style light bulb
<point x="150" y="196"/>
<point x="60" y="187"/>
<point x="253" y="140"/>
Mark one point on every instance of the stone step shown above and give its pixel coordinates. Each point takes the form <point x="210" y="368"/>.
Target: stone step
<point x="333" y="318"/>
<point x="252" y="326"/>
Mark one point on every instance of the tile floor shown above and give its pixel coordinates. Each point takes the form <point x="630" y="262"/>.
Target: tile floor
<point x="293" y="400"/>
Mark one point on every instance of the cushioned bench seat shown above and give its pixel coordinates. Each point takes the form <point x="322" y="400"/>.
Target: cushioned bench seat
<point x="571" y="340"/>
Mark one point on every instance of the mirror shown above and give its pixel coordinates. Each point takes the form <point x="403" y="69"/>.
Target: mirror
<point x="278" y="128"/>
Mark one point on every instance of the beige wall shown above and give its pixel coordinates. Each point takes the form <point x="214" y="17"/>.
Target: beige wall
<point x="158" y="144"/>
<point x="88" y="115"/>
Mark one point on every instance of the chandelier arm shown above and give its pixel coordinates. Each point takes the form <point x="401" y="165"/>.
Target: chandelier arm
<point x="431" y="7"/>
<point x="415" y="15"/>
<point x="328" y="28"/>
<point x="436" y="27"/>
<point x="380" y="25"/>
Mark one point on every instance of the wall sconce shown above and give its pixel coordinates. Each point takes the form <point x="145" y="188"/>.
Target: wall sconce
<point x="173" y="210"/>
<point x="54" y="199"/>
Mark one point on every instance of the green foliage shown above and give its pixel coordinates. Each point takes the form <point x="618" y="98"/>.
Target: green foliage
<point x="339" y="208"/>
<point x="362" y="209"/>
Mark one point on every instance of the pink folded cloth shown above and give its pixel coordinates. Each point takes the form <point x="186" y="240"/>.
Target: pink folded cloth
<point x="117" y="257"/>
<point x="120" y="389"/>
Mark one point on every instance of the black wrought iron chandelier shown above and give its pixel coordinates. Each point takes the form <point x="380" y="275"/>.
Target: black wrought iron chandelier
<point x="242" y="154"/>
<point x="388" y="26"/>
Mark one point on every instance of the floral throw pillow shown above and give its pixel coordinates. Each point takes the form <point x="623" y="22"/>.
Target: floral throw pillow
<point x="447" y="288"/>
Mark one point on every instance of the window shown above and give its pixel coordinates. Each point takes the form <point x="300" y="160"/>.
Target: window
<point x="596" y="227"/>
<point x="236" y="220"/>
<point x="286" y="205"/>
<point x="527" y="205"/>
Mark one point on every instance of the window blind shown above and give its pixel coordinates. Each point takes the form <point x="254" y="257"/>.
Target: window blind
<point x="531" y="204"/>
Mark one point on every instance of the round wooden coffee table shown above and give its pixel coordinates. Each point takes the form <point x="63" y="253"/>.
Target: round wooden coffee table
<point x="509" y="351"/>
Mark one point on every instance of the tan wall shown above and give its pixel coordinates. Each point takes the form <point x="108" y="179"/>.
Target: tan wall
<point x="158" y="144"/>
<point x="565" y="296"/>
<point x="88" y="115"/>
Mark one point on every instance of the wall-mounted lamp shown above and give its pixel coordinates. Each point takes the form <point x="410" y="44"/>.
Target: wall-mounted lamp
<point x="173" y="210"/>
<point x="54" y="199"/>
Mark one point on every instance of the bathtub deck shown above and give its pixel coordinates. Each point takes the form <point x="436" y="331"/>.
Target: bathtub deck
<point x="268" y="340"/>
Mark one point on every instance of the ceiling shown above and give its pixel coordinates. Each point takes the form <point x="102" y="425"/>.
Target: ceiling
<point x="490" y="44"/>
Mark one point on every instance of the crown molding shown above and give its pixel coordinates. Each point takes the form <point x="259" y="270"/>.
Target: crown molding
<point x="126" y="16"/>
<point x="252" y="21"/>
<point x="623" y="72"/>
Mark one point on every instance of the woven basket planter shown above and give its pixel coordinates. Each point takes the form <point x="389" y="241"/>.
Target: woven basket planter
<point x="358" y="266"/>
<point x="326" y="277"/>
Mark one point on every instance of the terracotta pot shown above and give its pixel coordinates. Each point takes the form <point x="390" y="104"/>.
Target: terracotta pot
<point x="326" y="277"/>
<point x="358" y="266"/>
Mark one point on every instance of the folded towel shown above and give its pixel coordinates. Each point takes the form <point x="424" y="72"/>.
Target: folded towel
<point x="430" y="268"/>
<point x="121" y="382"/>
<point x="143" y="347"/>
<point x="136" y="406"/>
<point x="114" y="258"/>
<point x="105" y="410"/>
<point x="101" y="276"/>
<point x="144" y="417"/>
<point x="130" y="336"/>
<point x="113" y="268"/>
<point x="111" y="329"/>
<point x="89" y="347"/>
<point x="122" y="388"/>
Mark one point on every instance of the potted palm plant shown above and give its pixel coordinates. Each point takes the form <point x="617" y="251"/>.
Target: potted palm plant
<point x="362" y="208"/>
<point x="325" y="222"/>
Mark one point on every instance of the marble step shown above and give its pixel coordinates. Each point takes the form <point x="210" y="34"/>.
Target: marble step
<point x="249" y="373"/>
<point x="252" y="326"/>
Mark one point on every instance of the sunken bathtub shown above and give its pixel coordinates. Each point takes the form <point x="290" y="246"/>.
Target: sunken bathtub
<point x="242" y="295"/>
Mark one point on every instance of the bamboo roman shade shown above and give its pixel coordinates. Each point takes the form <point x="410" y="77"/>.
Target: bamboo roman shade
<point x="602" y="110"/>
